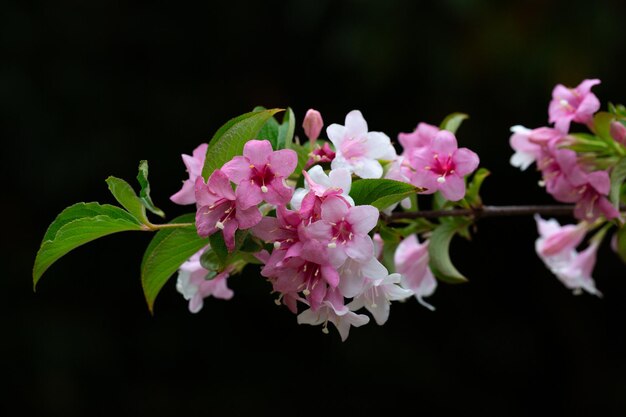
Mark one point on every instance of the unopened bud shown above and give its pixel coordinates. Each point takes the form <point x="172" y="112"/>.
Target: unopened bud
<point x="312" y="124"/>
<point x="618" y="132"/>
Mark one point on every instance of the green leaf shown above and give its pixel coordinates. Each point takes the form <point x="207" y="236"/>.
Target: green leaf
<point x="618" y="175"/>
<point x="219" y="247"/>
<point x="602" y="124"/>
<point x="126" y="196"/>
<point x="144" y="193"/>
<point x="167" y="251"/>
<point x="439" y="251"/>
<point x="381" y="193"/>
<point x="209" y="261"/>
<point x="303" y="156"/>
<point x="453" y="121"/>
<point x="229" y="140"/>
<point x="286" y="130"/>
<point x="621" y="243"/>
<point x="77" y="225"/>
<point x="472" y="195"/>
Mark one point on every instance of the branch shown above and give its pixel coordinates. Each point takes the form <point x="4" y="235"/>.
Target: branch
<point x="488" y="211"/>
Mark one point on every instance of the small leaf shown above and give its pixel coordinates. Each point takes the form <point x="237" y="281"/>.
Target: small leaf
<point x="77" y="225"/>
<point x="167" y="251"/>
<point x="303" y="157"/>
<point x="126" y="196"/>
<point x="209" y="260"/>
<point x="219" y="247"/>
<point x="381" y="193"/>
<point x="453" y="121"/>
<point x="230" y="139"/>
<point x="439" y="251"/>
<point x="472" y="195"/>
<point x="618" y="175"/>
<point x="602" y="124"/>
<point x="144" y="193"/>
<point x="286" y="130"/>
<point x="621" y="243"/>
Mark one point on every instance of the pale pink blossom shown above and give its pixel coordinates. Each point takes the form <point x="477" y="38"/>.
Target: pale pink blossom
<point x="411" y="261"/>
<point x="572" y="268"/>
<point x="260" y="173"/>
<point x="358" y="150"/>
<point x="442" y="166"/>
<point x="378" y="295"/>
<point x="322" y="185"/>
<point x="281" y="230"/>
<point x="573" y="104"/>
<point x="217" y="208"/>
<point x="194" y="164"/>
<point x="618" y="132"/>
<point x="528" y="144"/>
<point x="565" y="238"/>
<point x="312" y="125"/>
<point x="335" y="311"/>
<point x="355" y="275"/>
<point x="193" y="284"/>
<point x="421" y="137"/>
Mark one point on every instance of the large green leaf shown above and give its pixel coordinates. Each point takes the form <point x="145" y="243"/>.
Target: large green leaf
<point x="618" y="175"/>
<point x="167" y="251"/>
<point x="77" y="225"/>
<point x="439" y="251"/>
<point x="269" y="131"/>
<point x="126" y="196"/>
<point x="381" y="193"/>
<point x="144" y="193"/>
<point x="230" y="139"/>
<point x="453" y="121"/>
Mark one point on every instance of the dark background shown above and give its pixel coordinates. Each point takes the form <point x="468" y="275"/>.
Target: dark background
<point x="89" y="88"/>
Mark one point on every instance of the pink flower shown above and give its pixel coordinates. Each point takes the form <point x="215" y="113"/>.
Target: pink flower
<point x="320" y="155"/>
<point x="358" y="150"/>
<point x="194" y="165"/>
<point x="421" y="137"/>
<point x="572" y="268"/>
<point x="528" y="144"/>
<point x="333" y="310"/>
<point x="577" y="104"/>
<point x="312" y="125"/>
<point x="218" y="208"/>
<point x="442" y="166"/>
<point x="318" y="187"/>
<point x="561" y="239"/>
<point x="378" y="295"/>
<point x="411" y="261"/>
<point x="281" y="230"/>
<point x="194" y="286"/>
<point x="260" y="173"/>
<point x="618" y="132"/>
<point x="345" y="230"/>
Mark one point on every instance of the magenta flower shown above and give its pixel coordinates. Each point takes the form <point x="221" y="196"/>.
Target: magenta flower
<point x="218" y="208"/>
<point x="442" y="166"/>
<point x="320" y="155"/>
<point x="421" y="137"/>
<point x="260" y="173"/>
<point x="281" y="230"/>
<point x="411" y="261"/>
<point x="194" y="286"/>
<point x="573" y="104"/>
<point x="345" y="230"/>
<point x="194" y="164"/>
<point x="312" y="125"/>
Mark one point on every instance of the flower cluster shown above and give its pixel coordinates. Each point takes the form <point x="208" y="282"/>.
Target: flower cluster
<point x="575" y="168"/>
<point x="318" y="248"/>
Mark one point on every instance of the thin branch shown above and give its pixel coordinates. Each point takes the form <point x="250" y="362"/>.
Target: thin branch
<point x="488" y="211"/>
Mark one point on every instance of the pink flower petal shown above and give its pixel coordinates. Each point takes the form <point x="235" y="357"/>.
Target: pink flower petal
<point x="362" y="218"/>
<point x="219" y="184"/>
<point x="283" y="162"/>
<point x="248" y="194"/>
<point x="257" y="152"/>
<point x="444" y="143"/>
<point x="465" y="161"/>
<point x="355" y="124"/>
<point x="334" y="209"/>
<point x="453" y="188"/>
<point x="186" y="195"/>
<point x="237" y="169"/>
<point x="248" y="217"/>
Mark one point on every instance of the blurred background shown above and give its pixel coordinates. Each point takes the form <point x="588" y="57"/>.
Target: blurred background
<point x="90" y="88"/>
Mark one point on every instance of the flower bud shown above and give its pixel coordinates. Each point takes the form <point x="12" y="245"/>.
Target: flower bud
<point x="312" y="124"/>
<point x="618" y="132"/>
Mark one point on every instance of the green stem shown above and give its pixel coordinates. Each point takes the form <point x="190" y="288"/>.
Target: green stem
<point x="155" y="227"/>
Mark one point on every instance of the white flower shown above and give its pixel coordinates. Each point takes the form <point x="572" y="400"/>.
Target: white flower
<point x="378" y="295"/>
<point x="358" y="150"/>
